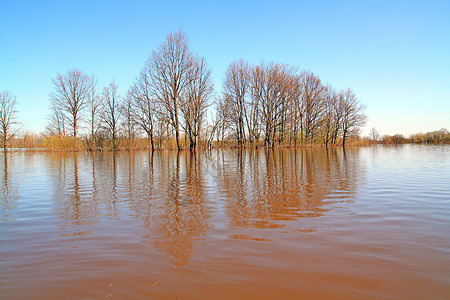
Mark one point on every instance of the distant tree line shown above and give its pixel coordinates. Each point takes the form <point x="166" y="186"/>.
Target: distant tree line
<point x="441" y="136"/>
<point x="267" y="104"/>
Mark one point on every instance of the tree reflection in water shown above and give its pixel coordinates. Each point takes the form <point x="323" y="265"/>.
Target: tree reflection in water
<point x="76" y="189"/>
<point x="169" y="198"/>
<point x="8" y="188"/>
<point x="265" y="188"/>
<point x="182" y="215"/>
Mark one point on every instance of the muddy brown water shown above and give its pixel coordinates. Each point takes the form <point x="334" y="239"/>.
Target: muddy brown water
<point x="364" y="223"/>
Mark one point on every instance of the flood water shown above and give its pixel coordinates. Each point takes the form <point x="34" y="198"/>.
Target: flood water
<point x="364" y="223"/>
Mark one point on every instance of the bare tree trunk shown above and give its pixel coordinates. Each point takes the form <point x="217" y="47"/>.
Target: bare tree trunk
<point x="5" y="148"/>
<point x="344" y="135"/>
<point x="150" y="140"/>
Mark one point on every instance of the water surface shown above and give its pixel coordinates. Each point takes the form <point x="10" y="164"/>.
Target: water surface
<point x="369" y="222"/>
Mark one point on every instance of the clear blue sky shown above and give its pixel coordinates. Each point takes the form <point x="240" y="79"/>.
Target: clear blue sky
<point x="395" y="55"/>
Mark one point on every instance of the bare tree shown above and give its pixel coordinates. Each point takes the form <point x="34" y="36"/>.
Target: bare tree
<point x="352" y="115"/>
<point x="296" y="107"/>
<point x="287" y="90"/>
<point x="7" y="117"/>
<point x="273" y="90"/>
<point x="71" y="95"/>
<point x="212" y="129"/>
<point x="265" y="93"/>
<point x="329" y="115"/>
<point x="373" y="134"/>
<point x="95" y="105"/>
<point x="144" y="104"/>
<point x="337" y="117"/>
<point x="236" y="87"/>
<point x="127" y="111"/>
<point x="169" y="70"/>
<point x="253" y="109"/>
<point x="313" y="105"/>
<point x="57" y="122"/>
<point x="111" y="111"/>
<point x="292" y="116"/>
<point x="223" y="117"/>
<point x="195" y="101"/>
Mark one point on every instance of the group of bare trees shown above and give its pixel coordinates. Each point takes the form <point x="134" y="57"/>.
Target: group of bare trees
<point x="278" y="104"/>
<point x="76" y="100"/>
<point x="172" y="92"/>
<point x="171" y="95"/>
<point x="267" y="103"/>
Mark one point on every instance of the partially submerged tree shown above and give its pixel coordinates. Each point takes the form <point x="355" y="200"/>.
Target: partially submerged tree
<point x="195" y="101"/>
<point x="94" y="101"/>
<point x="144" y="104"/>
<point x="273" y="91"/>
<point x="329" y="117"/>
<point x="236" y="89"/>
<point x="169" y="68"/>
<point x="127" y="111"/>
<point x="222" y="118"/>
<point x="111" y="111"/>
<point x="352" y="115"/>
<point x="7" y="117"/>
<point x="312" y="105"/>
<point x="71" y="95"/>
